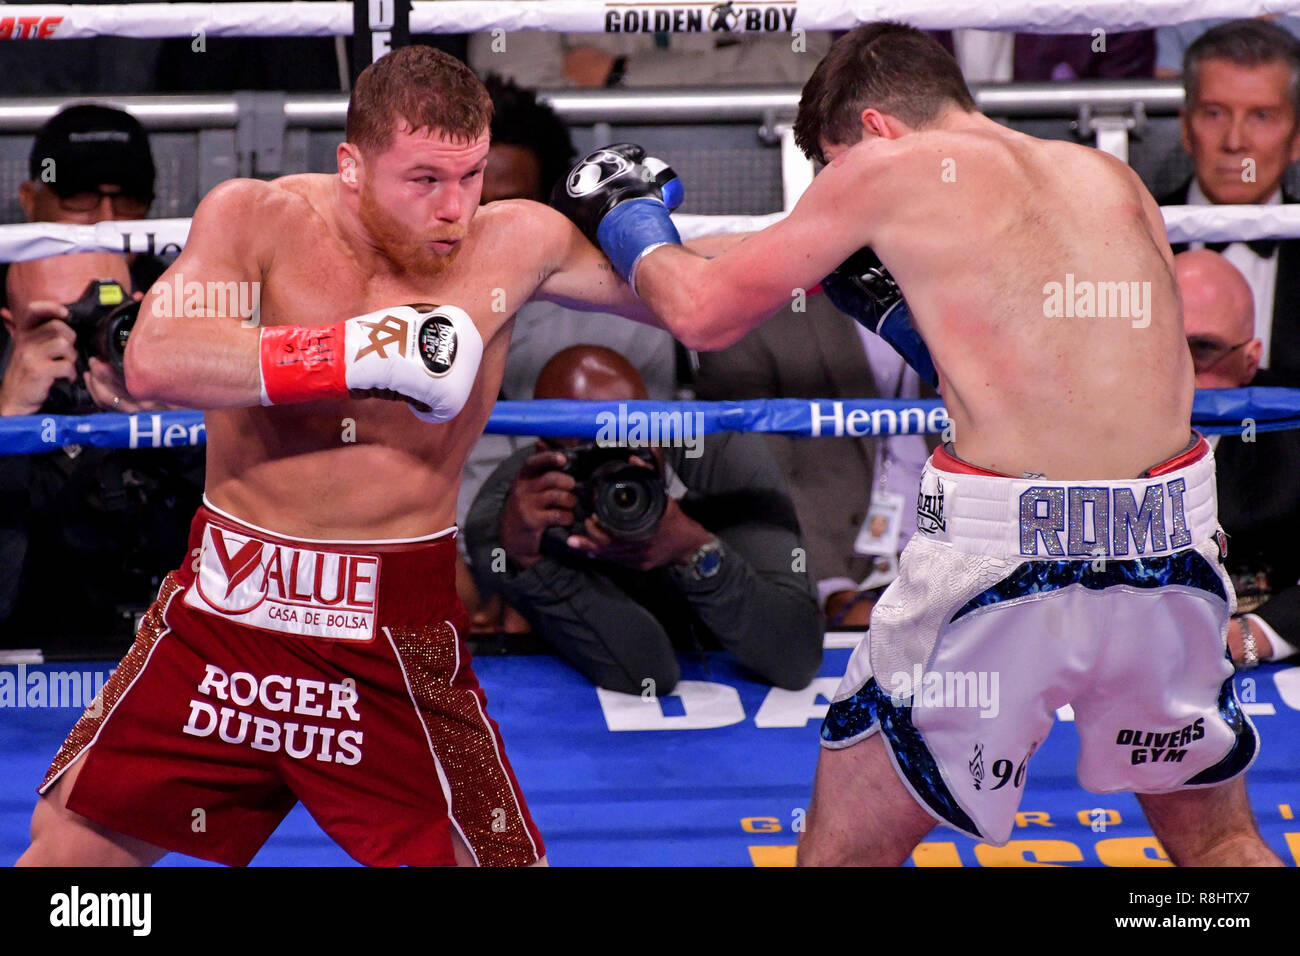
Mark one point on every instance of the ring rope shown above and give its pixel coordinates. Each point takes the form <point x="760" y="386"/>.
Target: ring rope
<point x="152" y="20"/>
<point x="1214" y="412"/>
<point x="36" y="240"/>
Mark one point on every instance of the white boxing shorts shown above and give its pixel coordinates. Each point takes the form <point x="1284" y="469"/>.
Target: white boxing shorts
<point x="1019" y="595"/>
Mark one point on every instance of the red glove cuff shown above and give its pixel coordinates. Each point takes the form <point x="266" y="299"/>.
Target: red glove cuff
<point x="301" y="364"/>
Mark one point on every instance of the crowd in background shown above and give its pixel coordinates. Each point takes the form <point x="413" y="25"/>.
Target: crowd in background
<point x="762" y="542"/>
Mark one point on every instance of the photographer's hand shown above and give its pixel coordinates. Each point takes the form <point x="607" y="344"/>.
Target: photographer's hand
<point x="540" y="497"/>
<point x="108" y="389"/>
<point x="44" y="351"/>
<point x="675" y="541"/>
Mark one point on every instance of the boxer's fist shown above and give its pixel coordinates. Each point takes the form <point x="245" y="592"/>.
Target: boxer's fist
<point x="620" y="199"/>
<point x="863" y="289"/>
<point x="610" y="176"/>
<point x="426" y="355"/>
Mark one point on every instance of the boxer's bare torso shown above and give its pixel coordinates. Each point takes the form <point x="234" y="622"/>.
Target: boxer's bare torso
<point x="975" y="221"/>
<point x="1066" y="397"/>
<point x="358" y="469"/>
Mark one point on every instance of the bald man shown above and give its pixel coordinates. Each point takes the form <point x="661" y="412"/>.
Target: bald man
<point x="43" y="345"/>
<point x="1259" y="503"/>
<point x="718" y="570"/>
<point x="1218" y="319"/>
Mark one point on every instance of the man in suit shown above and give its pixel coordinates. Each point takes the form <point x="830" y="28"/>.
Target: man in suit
<point x="1259" y="498"/>
<point x="1241" y="126"/>
<point x="819" y="353"/>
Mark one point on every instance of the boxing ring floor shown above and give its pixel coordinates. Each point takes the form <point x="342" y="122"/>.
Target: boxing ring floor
<point x="718" y="774"/>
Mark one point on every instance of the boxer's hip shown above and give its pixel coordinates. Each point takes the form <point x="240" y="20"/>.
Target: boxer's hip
<point x="1020" y="595"/>
<point x="272" y="669"/>
<point x="1170" y="508"/>
<point x="988" y="542"/>
<point x="335" y="590"/>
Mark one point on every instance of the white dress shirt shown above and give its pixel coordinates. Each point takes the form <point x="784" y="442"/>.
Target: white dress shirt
<point x="1260" y="273"/>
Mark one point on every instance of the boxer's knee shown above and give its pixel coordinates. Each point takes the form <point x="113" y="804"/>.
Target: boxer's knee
<point x="37" y="852"/>
<point x="62" y="837"/>
<point x="56" y="833"/>
<point x="49" y="819"/>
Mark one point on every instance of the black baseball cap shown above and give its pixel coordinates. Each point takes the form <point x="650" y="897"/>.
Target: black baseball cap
<point x="93" y="146"/>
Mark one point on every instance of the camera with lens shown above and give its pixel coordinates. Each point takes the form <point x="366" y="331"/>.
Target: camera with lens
<point x="102" y="320"/>
<point x="627" y="499"/>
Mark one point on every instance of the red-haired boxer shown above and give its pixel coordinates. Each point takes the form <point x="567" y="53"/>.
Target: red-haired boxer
<point x="311" y="646"/>
<point x="1077" y="561"/>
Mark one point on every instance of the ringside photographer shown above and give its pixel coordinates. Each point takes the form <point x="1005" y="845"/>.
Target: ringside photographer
<point x="112" y="522"/>
<point x="67" y="336"/>
<point x="676" y="547"/>
<point x="91" y="163"/>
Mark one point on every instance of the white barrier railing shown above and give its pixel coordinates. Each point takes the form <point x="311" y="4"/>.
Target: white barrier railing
<point x="36" y="240"/>
<point x="709" y="105"/>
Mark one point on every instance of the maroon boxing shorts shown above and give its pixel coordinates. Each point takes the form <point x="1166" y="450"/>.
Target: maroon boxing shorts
<point x="272" y="670"/>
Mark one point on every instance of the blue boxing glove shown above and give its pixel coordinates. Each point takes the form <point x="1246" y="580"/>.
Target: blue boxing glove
<point x="864" y="290"/>
<point x="620" y="199"/>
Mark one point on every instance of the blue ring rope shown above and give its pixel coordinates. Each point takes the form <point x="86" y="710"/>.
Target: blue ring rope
<point x="1214" y="412"/>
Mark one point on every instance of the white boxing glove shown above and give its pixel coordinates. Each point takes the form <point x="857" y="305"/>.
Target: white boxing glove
<point x="426" y="354"/>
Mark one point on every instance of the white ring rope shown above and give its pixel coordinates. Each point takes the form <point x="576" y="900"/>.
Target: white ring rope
<point x="36" y="240"/>
<point x="65" y="21"/>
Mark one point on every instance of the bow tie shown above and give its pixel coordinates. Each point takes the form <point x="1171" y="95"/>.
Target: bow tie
<point x="1261" y="247"/>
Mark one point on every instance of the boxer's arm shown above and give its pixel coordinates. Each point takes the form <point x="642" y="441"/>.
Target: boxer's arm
<point x="577" y="275"/>
<point x="205" y="361"/>
<point x="212" y="361"/>
<point x="710" y="304"/>
<point x="583" y="278"/>
<point x="715" y="245"/>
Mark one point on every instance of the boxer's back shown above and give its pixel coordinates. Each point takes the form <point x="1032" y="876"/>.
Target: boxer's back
<point x="1034" y="272"/>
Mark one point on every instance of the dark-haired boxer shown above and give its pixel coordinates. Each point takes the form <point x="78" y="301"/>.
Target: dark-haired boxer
<point x="310" y="647"/>
<point x="1069" y="555"/>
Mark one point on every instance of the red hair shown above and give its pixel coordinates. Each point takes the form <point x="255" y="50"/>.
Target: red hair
<point x="424" y="88"/>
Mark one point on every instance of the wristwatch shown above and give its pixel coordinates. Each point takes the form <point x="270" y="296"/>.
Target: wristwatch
<point x="706" y="560"/>
<point x="1249" y="653"/>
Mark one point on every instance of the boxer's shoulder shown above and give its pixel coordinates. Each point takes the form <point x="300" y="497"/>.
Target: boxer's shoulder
<point x="527" y="228"/>
<point x="864" y="183"/>
<point x="877" y="169"/>
<point x="516" y="215"/>
<point x="289" y="196"/>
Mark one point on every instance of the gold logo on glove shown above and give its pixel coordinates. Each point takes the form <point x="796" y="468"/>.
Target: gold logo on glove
<point x="388" y="331"/>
